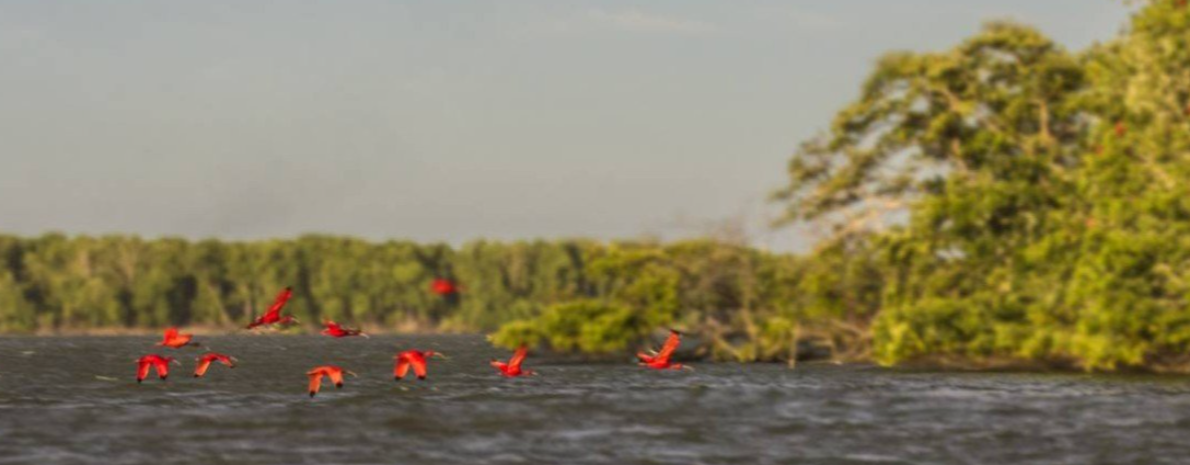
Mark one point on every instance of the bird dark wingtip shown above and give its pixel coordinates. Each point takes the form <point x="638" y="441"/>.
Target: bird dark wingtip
<point x="338" y="385"/>
<point x="312" y="393"/>
<point x="421" y="377"/>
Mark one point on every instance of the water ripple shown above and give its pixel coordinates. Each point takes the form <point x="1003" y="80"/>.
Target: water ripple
<point x="73" y="400"/>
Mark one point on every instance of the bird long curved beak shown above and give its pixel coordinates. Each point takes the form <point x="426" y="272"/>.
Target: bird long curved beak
<point x="440" y="354"/>
<point x="175" y="362"/>
<point x="352" y="373"/>
<point x="687" y="367"/>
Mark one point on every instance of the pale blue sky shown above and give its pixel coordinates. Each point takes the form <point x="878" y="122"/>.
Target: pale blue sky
<point x="441" y="120"/>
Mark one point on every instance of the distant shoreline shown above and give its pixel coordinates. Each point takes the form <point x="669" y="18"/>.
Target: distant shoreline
<point x="206" y="330"/>
<point x="947" y="364"/>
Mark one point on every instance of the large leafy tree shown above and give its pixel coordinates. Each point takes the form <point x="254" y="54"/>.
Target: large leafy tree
<point x="1043" y="195"/>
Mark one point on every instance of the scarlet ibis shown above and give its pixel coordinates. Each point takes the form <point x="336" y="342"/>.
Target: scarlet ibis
<point x="660" y="360"/>
<point x="273" y="315"/>
<point x="414" y="358"/>
<point x="159" y="363"/>
<point x="444" y="287"/>
<point x="513" y="369"/>
<point x="331" y="371"/>
<point x="175" y="340"/>
<point x="336" y="330"/>
<point x="204" y="362"/>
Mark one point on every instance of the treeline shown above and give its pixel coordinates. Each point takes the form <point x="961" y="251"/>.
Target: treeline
<point x="580" y="296"/>
<point x="72" y="283"/>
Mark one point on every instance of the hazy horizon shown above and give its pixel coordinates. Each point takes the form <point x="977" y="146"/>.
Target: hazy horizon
<point x="441" y="122"/>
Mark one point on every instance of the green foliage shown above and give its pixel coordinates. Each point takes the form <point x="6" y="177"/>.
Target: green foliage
<point x="1045" y="194"/>
<point x="585" y="326"/>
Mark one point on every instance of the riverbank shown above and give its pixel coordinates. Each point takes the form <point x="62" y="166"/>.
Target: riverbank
<point x="222" y="330"/>
<point x="694" y="350"/>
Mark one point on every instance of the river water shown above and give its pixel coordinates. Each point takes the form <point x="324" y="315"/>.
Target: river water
<point x="74" y="400"/>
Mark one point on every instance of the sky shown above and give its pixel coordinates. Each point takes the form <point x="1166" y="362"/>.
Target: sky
<point x="443" y="121"/>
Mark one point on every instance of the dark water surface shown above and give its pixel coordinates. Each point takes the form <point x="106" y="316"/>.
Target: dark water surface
<point x="74" y="400"/>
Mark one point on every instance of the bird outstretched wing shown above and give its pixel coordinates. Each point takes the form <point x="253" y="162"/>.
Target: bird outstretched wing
<point x="419" y="366"/>
<point x="201" y="369"/>
<point x="671" y="345"/>
<point x="142" y="369"/>
<point x="518" y="357"/>
<point x="401" y="368"/>
<point x="279" y="303"/>
<point x="315" y="382"/>
<point x="336" y="377"/>
<point x="162" y="367"/>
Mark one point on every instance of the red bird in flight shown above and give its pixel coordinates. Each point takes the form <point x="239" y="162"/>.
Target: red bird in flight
<point x="415" y="359"/>
<point x="660" y="360"/>
<point x="333" y="372"/>
<point x="205" y="361"/>
<point x="444" y="287"/>
<point x="513" y="369"/>
<point x="336" y="330"/>
<point x="175" y="340"/>
<point x="161" y="364"/>
<point x="273" y="315"/>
